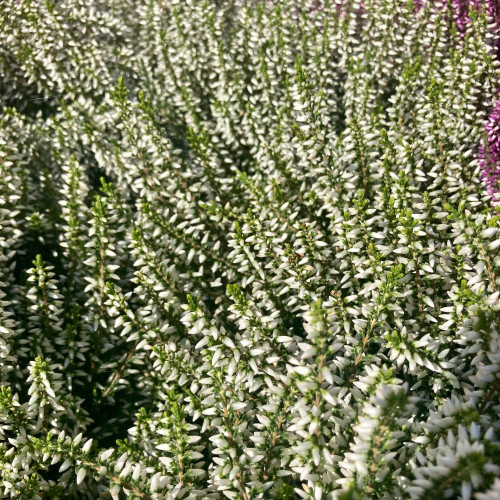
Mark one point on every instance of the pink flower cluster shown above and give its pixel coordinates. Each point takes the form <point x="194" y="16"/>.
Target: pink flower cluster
<point x="489" y="151"/>
<point x="462" y="10"/>
<point x="489" y="155"/>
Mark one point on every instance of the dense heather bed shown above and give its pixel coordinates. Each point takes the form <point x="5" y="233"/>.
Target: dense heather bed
<point x="249" y="249"/>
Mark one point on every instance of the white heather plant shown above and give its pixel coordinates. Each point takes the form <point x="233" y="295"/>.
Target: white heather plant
<point x="246" y="251"/>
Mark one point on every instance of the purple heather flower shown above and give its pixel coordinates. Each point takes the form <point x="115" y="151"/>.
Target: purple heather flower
<point x="489" y="151"/>
<point x="489" y="155"/>
<point x="462" y="9"/>
<point x="316" y="5"/>
<point x="418" y="4"/>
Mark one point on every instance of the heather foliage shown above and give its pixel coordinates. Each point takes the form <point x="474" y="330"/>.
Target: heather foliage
<point x="246" y="250"/>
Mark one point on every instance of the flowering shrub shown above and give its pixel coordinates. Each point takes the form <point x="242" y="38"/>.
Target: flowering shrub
<point x="246" y="250"/>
